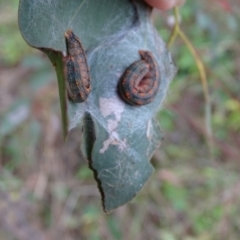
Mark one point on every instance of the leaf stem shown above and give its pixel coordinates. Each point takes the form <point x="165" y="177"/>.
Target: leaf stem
<point x="201" y="69"/>
<point x="175" y="28"/>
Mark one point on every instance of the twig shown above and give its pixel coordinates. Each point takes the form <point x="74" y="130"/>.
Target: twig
<point x="202" y="73"/>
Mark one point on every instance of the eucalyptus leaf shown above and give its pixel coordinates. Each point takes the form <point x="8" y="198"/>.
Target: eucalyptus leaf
<point x="118" y="139"/>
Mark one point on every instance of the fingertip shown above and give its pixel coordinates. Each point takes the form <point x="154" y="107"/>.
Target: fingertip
<point x="162" y="4"/>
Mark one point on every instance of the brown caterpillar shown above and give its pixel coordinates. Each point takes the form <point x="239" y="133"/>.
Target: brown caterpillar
<point x="140" y="82"/>
<point x="76" y="69"/>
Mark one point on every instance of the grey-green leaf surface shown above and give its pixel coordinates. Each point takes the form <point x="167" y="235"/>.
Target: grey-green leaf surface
<point x="118" y="139"/>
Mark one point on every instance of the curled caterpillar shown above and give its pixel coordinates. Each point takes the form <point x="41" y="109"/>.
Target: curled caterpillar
<point x="140" y="82"/>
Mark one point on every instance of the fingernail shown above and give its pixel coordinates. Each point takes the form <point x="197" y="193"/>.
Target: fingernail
<point x="179" y="2"/>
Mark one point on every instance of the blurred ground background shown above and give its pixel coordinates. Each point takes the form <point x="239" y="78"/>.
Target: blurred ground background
<point x="48" y="192"/>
